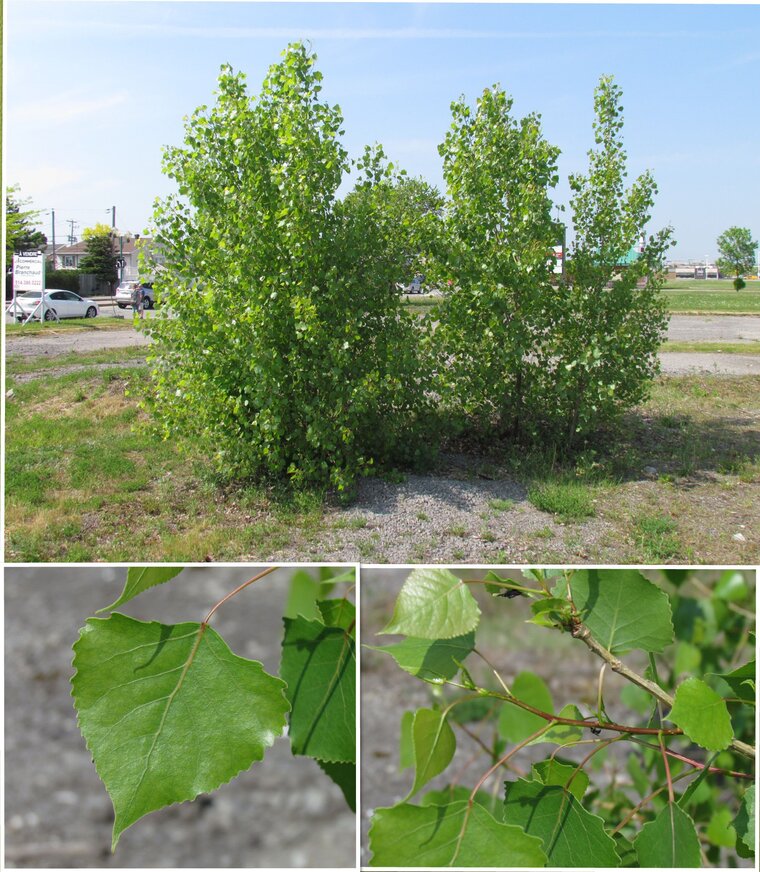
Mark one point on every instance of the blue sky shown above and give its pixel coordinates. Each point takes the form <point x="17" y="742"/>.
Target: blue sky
<point x="95" y="89"/>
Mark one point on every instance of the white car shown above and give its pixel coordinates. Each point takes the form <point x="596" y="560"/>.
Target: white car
<point x="124" y="294"/>
<point x="64" y="304"/>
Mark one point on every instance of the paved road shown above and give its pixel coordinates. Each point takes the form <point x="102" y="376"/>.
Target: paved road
<point x="683" y="328"/>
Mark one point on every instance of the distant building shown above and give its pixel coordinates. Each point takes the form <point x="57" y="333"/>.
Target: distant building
<point x="127" y="248"/>
<point x="693" y="269"/>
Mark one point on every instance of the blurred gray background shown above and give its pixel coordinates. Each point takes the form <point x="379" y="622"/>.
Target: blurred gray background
<point x="283" y="812"/>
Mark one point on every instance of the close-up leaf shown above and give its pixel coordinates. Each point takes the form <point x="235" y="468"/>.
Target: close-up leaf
<point x="434" y="604"/>
<point x="567" y="775"/>
<point x="411" y="835"/>
<point x="337" y="613"/>
<point x="168" y="711"/>
<point x="344" y="775"/>
<point x="140" y="578"/>
<point x="702" y="715"/>
<point x="433" y="744"/>
<point x="622" y="609"/>
<point x="430" y="659"/>
<point x="319" y="667"/>
<point x="741" y="681"/>
<point x="516" y="724"/>
<point x="571" y="836"/>
<point x="669" y="841"/>
<point x="744" y="822"/>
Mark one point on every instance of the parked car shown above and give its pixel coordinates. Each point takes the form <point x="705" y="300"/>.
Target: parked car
<point x="64" y="304"/>
<point x="124" y="294"/>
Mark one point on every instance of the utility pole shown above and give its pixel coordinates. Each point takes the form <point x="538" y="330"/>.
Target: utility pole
<point x="72" y="238"/>
<point x="52" y="213"/>
<point x="113" y="217"/>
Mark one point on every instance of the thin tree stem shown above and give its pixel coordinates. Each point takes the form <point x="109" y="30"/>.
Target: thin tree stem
<point x="237" y="590"/>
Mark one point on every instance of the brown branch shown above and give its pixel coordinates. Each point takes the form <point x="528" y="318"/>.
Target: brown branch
<point x="237" y="590"/>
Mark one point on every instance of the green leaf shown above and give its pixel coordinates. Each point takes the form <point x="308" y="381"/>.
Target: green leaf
<point x="732" y="586"/>
<point x="554" y="771"/>
<point x="319" y="666"/>
<point x="433" y="743"/>
<point x="457" y="793"/>
<point x="140" y="578"/>
<point x="302" y="597"/>
<point x="720" y="831"/>
<point x="516" y="724"/>
<point x="622" y="609"/>
<point x="411" y="835"/>
<point x="430" y="659"/>
<point x="571" y="836"/>
<point x="561" y="734"/>
<point x="744" y="822"/>
<point x="344" y="775"/>
<point x="168" y="711"/>
<point x="741" y="681"/>
<point x="434" y="604"/>
<point x="338" y="613"/>
<point x="702" y="715"/>
<point x="406" y="745"/>
<point x="670" y="840"/>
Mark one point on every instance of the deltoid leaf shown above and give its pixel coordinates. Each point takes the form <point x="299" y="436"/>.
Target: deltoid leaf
<point x="554" y="771"/>
<point x="571" y="836"/>
<point x="140" y="578"/>
<point x="430" y="659"/>
<point x="741" y="681"/>
<point x="516" y="724"/>
<point x="168" y="711"/>
<point x="434" y="604"/>
<point x="344" y="775"/>
<point x="319" y="667"/>
<point x="702" y="715"/>
<point x="411" y="835"/>
<point x="338" y="613"/>
<point x="670" y="840"/>
<point x="622" y="609"/>
<point x="457" y="793"/>
<point x="433" y="743"/>
<point x="744" y="822"/>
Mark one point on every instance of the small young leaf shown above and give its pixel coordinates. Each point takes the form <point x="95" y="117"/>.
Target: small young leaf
<point x="319" y="666"/>
<point x="720" y="830"/>
<point x="554" y="771"/>
<point x="434" y="604"/>
<point x="434" y="745"/>
<point x="140" y="578"/>
<point x="571" y="836"/>
<point x="622" y="609"/>
<point x="411" y="835"/>
<point x="516" y="724"/>
<point x="744" y="822"/>
<point x="344" y="775"/>
<point x="561" y="734"/>
<point x="702" y="715"/>
<point x="430" y="659"/>
<point x="169" y="712"/>
<point x="732" y="586"/>
<point x="670" y="840"/>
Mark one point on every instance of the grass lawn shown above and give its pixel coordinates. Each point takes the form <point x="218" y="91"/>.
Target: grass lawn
<point x="717" y="347"/>
<point x="37" y="328"/>
<point x="18" y="365"/>
<point x="86" y="481"/>
<point x="684" y="296"/>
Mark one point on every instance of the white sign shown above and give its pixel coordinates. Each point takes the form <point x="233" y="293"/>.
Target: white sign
<point x="558" y="259"/>
<point x="28" y="271"/>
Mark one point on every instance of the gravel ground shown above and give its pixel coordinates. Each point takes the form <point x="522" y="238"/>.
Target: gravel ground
<point x="689" y="362"/>
<point x="283" y="812"/>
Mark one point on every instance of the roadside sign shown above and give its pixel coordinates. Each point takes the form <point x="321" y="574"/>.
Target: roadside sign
<point x="28" y="271"/>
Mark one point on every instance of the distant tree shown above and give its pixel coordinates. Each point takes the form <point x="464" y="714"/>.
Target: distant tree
<point x="100" y="258"/>
<point x="737" y="253"/>
<point x="19" y="222"/>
